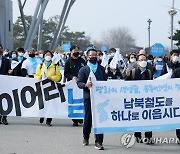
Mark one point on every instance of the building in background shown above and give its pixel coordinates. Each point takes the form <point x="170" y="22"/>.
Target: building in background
<point x="6" y="24"/>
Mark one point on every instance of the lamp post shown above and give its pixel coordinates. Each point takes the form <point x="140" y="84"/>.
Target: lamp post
<point x="149" y="23"/>
<point x="172" y="12"/>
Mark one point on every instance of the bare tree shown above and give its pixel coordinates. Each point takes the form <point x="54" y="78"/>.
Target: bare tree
<point x="120" y="37"/>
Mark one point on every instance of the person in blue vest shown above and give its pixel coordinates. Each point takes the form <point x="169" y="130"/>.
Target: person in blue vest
<point x="158" y="67"/>
<point x="84" y="83"/>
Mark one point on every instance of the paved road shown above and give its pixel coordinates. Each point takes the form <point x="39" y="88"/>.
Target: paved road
<point x="27" y="136"/>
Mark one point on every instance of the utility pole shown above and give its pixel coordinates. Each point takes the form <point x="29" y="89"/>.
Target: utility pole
<point x="172" y="12"/>
<point x="149" y="32"/>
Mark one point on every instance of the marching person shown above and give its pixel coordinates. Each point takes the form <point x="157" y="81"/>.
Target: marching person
<point x="176" y="74"/>
<point x="85" y="84"/>
<point x="48" y="70"/>
<point x="30" y="64"/>
<point x="19" y="59"/>
<point x="71" y="69"/>
<point x="5" y="68"/>
<point x="141" y="73"/>
<point x="131" y="64"/>
<point x="173" y="63"/>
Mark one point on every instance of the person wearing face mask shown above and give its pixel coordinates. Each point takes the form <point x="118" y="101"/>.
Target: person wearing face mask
<point x="48" y="70"/>
<point x="84" y="83"/>
<point x="29" y="66"/>
<point x="4" y="70"/>
<point x="71" y="69"/>
<point x="150" y="60"/>
<point x="41" y="55"/>
<point x="141" y="73"/>
<point x="13" y="55"/>
<point x="131" y="64"/>
<point x="113" y="73"/>
<point x="112" y="52"/>
<point x="18" y="60"/>
<point x="176" y="74"/>
<point x="158" y="67"/>
<point x="99" y="56"/>
<point x="6" y="53"/>
<point x="173" y="63"/>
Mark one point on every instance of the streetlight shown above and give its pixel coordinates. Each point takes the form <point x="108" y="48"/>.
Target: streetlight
<point x="172" y="12"/>
<point x="149" y="23"/>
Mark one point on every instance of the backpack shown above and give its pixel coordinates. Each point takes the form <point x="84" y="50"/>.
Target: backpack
<point x="134" y="70"/>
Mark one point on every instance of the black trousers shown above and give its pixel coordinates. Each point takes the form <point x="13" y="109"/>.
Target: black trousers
<point x="178" y="133"/>
<point x="47" y="120"/>
<point x="147" y="135"/>
<point x="88" y="123"/>
<point x="76" y="120"/>
<point x="2" y="117"/>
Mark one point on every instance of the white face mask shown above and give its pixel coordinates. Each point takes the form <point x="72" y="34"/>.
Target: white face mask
<point x="20" y="54"/>
<point x="48" y="58"/>
<point x="150" y="61"/>
<point x="143" y="64"/>
<point x="159" y="59"/>
<point x="112" y="54"/>
<point x="132" y="60"/>
<point x="13" y="55"/>
<point x="41" y="55"/>
<point x="175" y="59"/>
<point x="37" y="56"/>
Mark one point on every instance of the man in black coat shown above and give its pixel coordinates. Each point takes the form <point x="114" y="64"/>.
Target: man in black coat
<point x="176" y="74"/>
<point x="173" y="63"/>
<point x="71" y="69"/>
<point x="85" y="84"/>
<point x="141" y="73"/>
<point x="4" y="69"/>
<point x="17" y="70"/>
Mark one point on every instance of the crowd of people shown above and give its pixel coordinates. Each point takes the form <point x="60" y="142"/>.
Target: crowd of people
<point x="77" y="66"/>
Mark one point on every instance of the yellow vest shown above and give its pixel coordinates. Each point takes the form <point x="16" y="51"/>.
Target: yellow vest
<point x="52" y="71"/>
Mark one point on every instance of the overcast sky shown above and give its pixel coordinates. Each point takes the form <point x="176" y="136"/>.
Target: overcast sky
<point x="96" y="16"/>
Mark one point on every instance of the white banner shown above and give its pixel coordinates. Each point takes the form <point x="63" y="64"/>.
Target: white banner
<point x="133" y="106"/>
<point x="28" y="97"/>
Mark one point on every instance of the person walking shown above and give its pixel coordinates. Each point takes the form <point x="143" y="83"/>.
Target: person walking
<point x="48" y="70"/>
<point x="85" y="84"/>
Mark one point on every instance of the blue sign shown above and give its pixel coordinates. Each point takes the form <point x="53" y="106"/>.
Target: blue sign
<point x="157" y="50"/>
<point x="66" y="47"/>
<point x="104" y="48"/>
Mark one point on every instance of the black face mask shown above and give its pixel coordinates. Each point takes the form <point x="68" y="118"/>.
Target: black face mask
<point x="32" y="55"/>
<point x="6" y="55"/>
<point x="93" y="60"/>
<point x="76" y="54"/>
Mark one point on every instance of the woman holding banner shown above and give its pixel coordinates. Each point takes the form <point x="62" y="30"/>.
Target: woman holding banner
<point x="48" y="70"/>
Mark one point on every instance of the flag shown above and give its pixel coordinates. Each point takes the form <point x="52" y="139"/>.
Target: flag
<point x="105" y="60"/>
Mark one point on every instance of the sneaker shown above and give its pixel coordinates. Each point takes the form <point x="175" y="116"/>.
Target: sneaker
<point x="48" y="124"/>
<point x="86" y="142"/>
<point x="41" y="120"/>
<point x="80" y="121"/>
<point x="99" y="146"/>
<point x="4" y="121"/>
<point x="178" y="142"/>
<point x="75" y="124"/>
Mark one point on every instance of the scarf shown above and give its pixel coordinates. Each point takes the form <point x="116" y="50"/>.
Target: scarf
<point x="34" y="63"/>
<point x="93" y="67"/>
